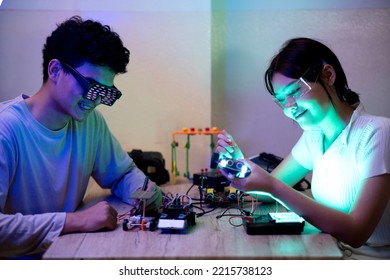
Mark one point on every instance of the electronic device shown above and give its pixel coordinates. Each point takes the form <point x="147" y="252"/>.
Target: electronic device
<point x="237" y="168"/>
<point x="137" y="217"/>
<point x="143" y="223"/>
<point x="215" y="188"/>
<point x="274" y="223"/>
<point x="175" y="220"/>
<point x="211" y="179"/>
<point x="177" y="215"/>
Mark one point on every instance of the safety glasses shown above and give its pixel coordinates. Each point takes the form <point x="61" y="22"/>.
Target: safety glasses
<point x="292" y="92"/>
<point x="95" y="89"/>
<point x="295" y="90"/>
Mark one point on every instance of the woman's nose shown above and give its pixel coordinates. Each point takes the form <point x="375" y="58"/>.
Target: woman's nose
<point x="291" y="102"/>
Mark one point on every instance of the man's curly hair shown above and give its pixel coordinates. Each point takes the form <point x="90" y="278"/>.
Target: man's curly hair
<point x="76" y="41"/>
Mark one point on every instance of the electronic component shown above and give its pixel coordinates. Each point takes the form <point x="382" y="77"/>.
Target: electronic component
<point x="211" y="180"/>
<point x="237" y="168"/>
<point x="215" y="188"/>
<point x="137" y="217"/>
<point x="274" y="223"/>
<point x="176" y="220"/>
<point x="143" y="223"/>
<point x="177" y="214"/>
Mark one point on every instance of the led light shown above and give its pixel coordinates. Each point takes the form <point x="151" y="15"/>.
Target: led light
<point x="223" y="162"/>
<point x="244" y="169"/>
<point x="236" y="168"/>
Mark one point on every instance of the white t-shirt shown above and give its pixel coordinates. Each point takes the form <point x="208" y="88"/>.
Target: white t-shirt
<point x="361" y="151"/>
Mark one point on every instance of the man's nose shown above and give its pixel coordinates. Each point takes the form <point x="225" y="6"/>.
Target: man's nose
<point x="98" y="100"/>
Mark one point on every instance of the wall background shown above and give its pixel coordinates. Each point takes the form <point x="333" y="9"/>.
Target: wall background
<point x="254" y="32"/>
<point x="200" y="63"/>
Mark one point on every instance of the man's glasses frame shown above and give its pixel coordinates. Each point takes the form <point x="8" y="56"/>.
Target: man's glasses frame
<point x="95" y="89"/>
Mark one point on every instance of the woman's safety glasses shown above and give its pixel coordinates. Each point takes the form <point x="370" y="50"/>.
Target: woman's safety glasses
<point x="295" y="90"/>
<point x="95" y="89"/>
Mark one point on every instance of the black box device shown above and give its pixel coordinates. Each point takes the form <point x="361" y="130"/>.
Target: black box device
<point x="211" y="179"/>
<point x="274" y="223"/>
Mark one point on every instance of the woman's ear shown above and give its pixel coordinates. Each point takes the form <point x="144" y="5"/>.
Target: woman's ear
<point x="54" y="69"/>
<point x="328" y="74"/>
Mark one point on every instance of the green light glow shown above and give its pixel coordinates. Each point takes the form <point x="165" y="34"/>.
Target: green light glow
<point x="262" y="193"/>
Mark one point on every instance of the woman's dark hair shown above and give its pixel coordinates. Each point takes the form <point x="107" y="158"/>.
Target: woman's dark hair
<point x="299" y="55"/>
<point x="76" y="41"/>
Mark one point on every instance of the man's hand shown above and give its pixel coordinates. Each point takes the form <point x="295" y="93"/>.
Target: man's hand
<point x="154" y="203"/>
<point x="99" y="216"/>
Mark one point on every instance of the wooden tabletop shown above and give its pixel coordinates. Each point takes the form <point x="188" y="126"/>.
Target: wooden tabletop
<point x="210" y="238"/>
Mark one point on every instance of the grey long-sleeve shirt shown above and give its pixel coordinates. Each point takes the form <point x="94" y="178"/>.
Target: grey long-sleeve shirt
<point x="45" y="173"/>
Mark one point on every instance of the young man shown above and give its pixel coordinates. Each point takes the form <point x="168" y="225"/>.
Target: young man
<point x="52" y="143"/>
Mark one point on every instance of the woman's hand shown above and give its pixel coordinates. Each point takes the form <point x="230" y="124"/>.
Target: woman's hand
<point x="258" y="184"/>
<point x="258" y="180"/>
<point x="227" y="147"/>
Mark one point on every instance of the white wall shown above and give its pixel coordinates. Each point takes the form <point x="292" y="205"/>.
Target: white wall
<point x="255" y="32"/>
<point x="180" y="63"/>
<point x="167" y="86"/>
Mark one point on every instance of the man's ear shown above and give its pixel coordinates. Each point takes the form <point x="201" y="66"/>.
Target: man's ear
<point x="54" y="69"/>
<point x="328" y="74"/>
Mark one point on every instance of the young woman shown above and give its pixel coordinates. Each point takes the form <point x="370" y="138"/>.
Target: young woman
<point x="347" y="150"/>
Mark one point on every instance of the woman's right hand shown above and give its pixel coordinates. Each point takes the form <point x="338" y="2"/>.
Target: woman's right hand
<point x="227" y="147"/>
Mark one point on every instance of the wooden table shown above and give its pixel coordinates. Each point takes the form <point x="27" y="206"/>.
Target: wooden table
<point x="210" y="238"/>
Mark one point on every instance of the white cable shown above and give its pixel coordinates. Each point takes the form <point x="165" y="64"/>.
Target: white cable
<point x="269" y="195"/>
